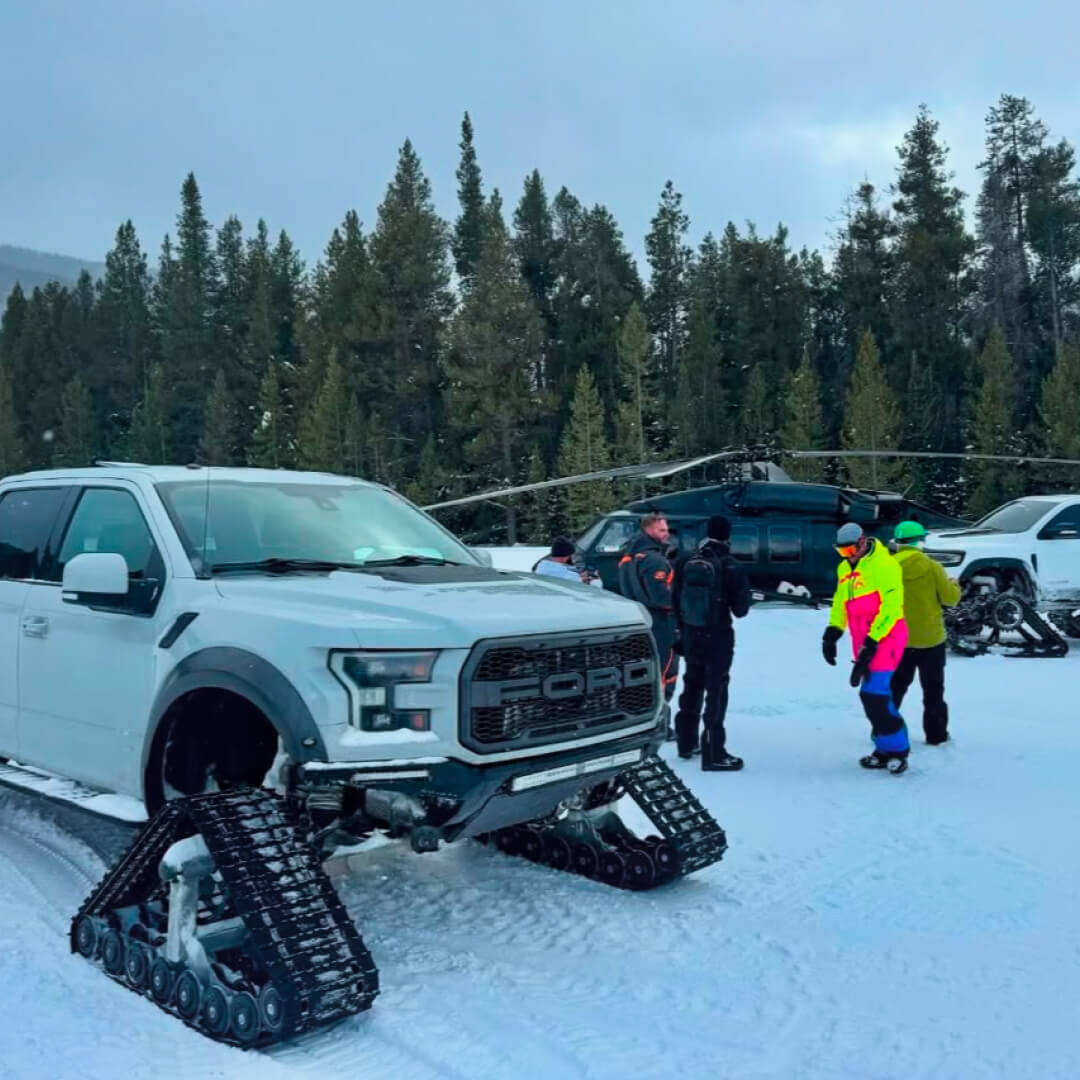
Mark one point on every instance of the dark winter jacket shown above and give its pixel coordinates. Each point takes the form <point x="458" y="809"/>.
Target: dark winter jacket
<point x="645" y="574"/>
<point x="734" y="598"/>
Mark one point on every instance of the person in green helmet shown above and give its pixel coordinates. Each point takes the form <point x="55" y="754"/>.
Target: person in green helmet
<point x="927" y="590"/>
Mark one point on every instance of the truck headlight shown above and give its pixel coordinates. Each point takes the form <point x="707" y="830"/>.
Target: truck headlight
<point x="946" y="558"/>
<point x="369" y="678"/>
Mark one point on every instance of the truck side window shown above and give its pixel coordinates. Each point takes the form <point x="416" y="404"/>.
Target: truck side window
<point x="1059" y="526"/>
<point x="109" y="520"/>
<point x="26" y="519"/>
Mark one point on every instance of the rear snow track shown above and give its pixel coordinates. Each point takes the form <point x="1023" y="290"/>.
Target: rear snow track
<point x="860" y="926"/>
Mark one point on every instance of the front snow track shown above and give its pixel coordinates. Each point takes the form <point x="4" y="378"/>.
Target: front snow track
<point x="221" y="913"/>
<point x="592" y="840"/>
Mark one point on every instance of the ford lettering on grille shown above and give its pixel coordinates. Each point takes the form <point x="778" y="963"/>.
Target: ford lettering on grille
<point x="531" y="691"/>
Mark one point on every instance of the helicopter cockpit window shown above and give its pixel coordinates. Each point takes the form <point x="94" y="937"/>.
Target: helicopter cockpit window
<point x="616" y="534"/>
<point x="785" y="543"/>
<point x="744" y="543"/>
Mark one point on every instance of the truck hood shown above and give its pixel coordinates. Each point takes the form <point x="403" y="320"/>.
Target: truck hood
<point x="437" y="614"/>
<point x="965" y="539"/>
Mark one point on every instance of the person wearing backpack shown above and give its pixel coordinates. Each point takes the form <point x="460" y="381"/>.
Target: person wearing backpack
<point x="709" y="587"/>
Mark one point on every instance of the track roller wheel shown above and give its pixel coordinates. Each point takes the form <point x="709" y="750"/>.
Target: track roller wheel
<point x="161" y="981"/>
<point x="112" y="952"/>
<point x="532" y="847"/>
<point x="665" y="858"/>
<point x="188" y="995"/>
<point x="508" y="841"/>
<point x="136" y="965"/>
<point x="271" y="1009"/>
<point x="215" y="1011"/>
<point x="583" y="860"/>
<point x="244" y="1017"/>
<point x="86" y="937"/>
<point x="556" y="851"/>
<point x="612" y="868"/>
<point x="640" y="870"/>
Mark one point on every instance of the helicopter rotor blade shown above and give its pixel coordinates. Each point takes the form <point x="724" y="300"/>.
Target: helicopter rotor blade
<point x="643" y="471"/>
<point x="1017" y="459"/>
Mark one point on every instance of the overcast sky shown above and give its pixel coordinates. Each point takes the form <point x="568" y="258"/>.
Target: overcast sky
<point x="759" y="110"/>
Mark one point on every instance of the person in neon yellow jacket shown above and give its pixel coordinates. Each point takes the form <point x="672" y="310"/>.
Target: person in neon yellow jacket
<point x="869" y="603"/>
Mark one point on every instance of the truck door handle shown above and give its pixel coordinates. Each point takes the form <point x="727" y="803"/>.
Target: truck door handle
<point x="35" y="626"/>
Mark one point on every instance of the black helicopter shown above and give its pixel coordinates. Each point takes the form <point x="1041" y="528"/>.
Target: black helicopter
<point x="782" y="529"/>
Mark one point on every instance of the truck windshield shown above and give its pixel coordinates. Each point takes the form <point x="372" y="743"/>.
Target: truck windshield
<point x="349" y="525"/>
<point x="1016" y="517"/>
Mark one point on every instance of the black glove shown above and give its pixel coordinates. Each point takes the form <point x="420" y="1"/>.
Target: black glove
<point x="862" y="661"/>
<point x="828" y="644"/>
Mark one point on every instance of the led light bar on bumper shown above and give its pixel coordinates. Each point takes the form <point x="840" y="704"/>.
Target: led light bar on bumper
<point x="369" y="678"/>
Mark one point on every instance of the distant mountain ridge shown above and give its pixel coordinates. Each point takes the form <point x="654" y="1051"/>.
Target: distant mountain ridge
<point x="33" y="268"/>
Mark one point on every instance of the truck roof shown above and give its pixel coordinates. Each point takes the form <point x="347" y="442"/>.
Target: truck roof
<point x="132" y="470"/>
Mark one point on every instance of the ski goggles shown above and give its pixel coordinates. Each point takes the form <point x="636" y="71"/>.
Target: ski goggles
<point x="847" y="551"/>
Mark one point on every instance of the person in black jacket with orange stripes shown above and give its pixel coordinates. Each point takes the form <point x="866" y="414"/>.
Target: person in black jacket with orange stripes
<point x="645" y="575"/>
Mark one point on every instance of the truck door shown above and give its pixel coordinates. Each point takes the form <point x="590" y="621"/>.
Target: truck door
<point x="27" y="517"/>
<point x="1058" y="551"/>
<point x="87" y="677"/>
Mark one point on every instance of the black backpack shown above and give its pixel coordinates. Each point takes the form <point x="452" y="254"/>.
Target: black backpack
<point x="702" y="587"/>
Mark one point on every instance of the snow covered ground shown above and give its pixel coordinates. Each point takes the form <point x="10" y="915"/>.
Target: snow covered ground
<point x="861" y="925"/>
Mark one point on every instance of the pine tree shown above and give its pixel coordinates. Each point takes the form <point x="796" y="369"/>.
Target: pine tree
<point x="585" y="449"/>
<point x="804" y="427"/>
<point x="354" y="437"/>
<point x="492" y="397"/>
<point x="932" y="294"/>
<point x="149" y="438"/>
<point x="76" y="443"/>
<point x="189" y="286"/>
<point x="125" y="333"/>
<point x="269" y="447"/>
<point x="469" y="227"/>
<point x="1060" y="411"/>
<point x="669" y="260"/>
<point x="994" y="427"/>
<point x="865" y="269"/>
<point x="322" y="432"/>
<point x="12" y="453"/>
<point x="218" y="443"/>
<point x="536" y="509"/>
<point x="537" y="252"/>
<point x="411" y="278"/>
<point x="704" y="383"/>
<point x="635" y="408"/>
<point x="871" y="421"/>
<point x="758" y="411"/>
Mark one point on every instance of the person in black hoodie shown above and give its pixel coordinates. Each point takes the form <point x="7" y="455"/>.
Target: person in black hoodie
<point x="709" y="587"/>
<point x="645" y="575"/>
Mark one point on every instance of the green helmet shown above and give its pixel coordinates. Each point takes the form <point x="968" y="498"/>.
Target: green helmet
<point x="909" y="532"/>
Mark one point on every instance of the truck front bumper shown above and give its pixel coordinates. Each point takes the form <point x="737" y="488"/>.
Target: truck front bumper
<point x="464" y="800"/>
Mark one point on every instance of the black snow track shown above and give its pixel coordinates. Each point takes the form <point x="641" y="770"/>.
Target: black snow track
<point x="597" y="844"/>
<point x="272" y="951"/>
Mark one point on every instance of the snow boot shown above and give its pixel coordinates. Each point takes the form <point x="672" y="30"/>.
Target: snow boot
<point x="874" y="761"/>
<point x="717" y="759"/>
<point x="896" y="765"/>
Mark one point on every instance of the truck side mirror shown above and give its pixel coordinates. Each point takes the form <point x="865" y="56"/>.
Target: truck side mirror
<point x="95" y="577"/>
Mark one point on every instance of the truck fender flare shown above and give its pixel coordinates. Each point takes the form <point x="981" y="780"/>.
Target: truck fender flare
<point x="980" y="566"/>
<point x="251" y="677"/>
